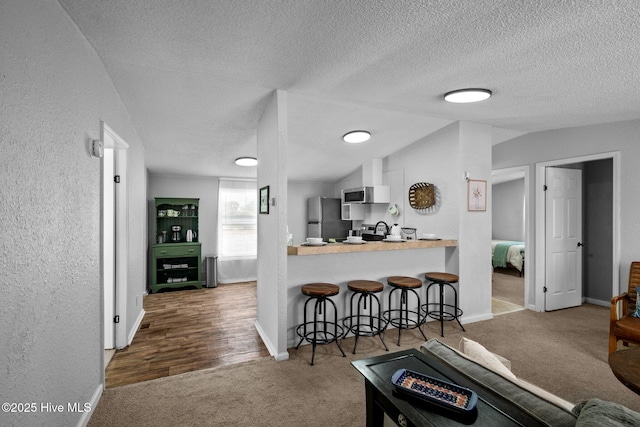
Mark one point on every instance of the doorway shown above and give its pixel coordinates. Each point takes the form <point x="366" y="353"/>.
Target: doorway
<point x="114" y="242"/>
<point x="600" y="236"/>
<point x="510" y="204"/>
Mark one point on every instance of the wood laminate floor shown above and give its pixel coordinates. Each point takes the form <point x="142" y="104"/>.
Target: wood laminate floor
<point x="189" y="330"/>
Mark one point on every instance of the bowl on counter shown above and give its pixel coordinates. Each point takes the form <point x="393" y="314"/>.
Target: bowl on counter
<point x="429" y="236"/>
<point x="354" y="239"/>
<point x="394" y="237"/>
<point x="314" y="240"/>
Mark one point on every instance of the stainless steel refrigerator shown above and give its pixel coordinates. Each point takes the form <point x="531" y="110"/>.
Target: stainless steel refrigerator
<point x="324" y="219"/>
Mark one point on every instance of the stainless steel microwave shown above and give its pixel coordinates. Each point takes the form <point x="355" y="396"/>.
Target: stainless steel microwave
<point x="368" y="194"/>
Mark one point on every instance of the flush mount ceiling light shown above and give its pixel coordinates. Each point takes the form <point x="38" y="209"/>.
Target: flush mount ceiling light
<point x="246" y="161"/>
<point x="462" y="96"/>
<point x="356" y="136"/>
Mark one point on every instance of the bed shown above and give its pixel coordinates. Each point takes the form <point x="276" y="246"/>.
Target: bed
<point x="508" y="254"/>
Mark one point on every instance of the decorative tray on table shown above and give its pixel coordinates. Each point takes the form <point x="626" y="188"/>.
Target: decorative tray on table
<point x="441" y="393"/>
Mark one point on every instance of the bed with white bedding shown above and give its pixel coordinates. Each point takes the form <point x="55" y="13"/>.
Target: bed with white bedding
<point x="508" y="254"/>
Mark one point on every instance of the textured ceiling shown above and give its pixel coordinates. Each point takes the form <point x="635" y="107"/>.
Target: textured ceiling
<point x="195" y="75"/>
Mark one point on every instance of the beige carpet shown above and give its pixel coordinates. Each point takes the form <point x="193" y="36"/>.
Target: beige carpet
<point x="507" y="286"/>
<point x="563" y="351"/>
<point x="502" y="307"/>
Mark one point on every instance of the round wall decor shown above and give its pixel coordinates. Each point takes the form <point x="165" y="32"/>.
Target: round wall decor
<point x="422" y="195"/>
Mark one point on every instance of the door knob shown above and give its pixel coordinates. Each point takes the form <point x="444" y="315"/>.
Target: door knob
<point x="580" y="244"/>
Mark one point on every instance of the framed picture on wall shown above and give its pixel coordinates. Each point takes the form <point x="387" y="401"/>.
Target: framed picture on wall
<point x="477" y="197"/>
<point x="264" y="200"/>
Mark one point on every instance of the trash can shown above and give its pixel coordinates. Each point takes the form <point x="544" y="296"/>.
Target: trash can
<point x="211" y="271"/>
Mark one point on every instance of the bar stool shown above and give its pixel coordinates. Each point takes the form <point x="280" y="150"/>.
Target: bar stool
<point x="359" y="324"/>
<point x="442" y="280"/>
<point x="405" y="285"/>
<point x="321" y="332"/>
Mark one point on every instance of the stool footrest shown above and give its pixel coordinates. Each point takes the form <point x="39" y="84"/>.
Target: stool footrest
<point x="321" y="336"/>
<point x="368" y="325"/>
<point x="433" y="310"/>
<point x="407" y="323"/>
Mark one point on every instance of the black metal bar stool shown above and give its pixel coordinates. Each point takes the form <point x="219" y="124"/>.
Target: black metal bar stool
<point x="405" y="285"/>
<point x="320" y="330"/>
<point x="368" y="325"/>
<point x="440" y="308"/>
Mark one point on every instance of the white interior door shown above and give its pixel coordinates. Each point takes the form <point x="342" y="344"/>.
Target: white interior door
<point x="563" y="211"/>
<point x="108" y="248"/>
<point x="118" y="292"/>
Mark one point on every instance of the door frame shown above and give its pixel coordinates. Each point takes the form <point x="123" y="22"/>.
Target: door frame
<point x="112" y="140"/>
<point x="522" y="170"/>
<point x="540" y="221"/>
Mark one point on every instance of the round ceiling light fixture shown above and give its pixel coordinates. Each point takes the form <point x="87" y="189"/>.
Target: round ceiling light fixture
<point x="463" y="96"/>
<point x="356" y="136"/>
<point x="246" y="161"/>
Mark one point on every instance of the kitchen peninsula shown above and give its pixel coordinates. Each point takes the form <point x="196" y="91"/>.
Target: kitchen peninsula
<point x="340" y="263"/>
<point x="334" y="248"/>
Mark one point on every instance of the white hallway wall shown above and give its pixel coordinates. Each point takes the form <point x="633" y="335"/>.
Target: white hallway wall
<point x="582" y="141"/>
<point x="54" y="92"/>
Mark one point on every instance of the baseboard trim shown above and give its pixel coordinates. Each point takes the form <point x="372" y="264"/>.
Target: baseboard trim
<point x="597" y="302"/>
<point x="279" y="357"/>
<point x="132" y="332"/>
<point x="476" y="318"/>
<point x="95" y="399"/>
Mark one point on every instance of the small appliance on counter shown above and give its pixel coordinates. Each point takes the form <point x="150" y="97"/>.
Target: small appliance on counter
<point x="176" y="233"/>
<point x="409" y="233"/>
<point x="368" y="232"/>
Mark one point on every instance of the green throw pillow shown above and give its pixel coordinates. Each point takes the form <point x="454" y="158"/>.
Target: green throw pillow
<point x="636" y="312"/>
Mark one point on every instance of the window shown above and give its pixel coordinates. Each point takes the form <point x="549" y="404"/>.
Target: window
<point x="237" y="219"/>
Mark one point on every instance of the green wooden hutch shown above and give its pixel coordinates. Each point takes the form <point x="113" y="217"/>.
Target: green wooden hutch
<point x="176" y="264"/>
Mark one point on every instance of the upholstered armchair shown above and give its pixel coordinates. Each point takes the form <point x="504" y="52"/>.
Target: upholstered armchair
<point x="622" y="326"/>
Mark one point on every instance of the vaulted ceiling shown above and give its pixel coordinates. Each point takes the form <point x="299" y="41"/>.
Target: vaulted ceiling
<point x="195" y="75"/>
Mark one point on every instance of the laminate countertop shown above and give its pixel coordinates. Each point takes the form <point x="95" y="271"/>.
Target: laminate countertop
<point x="339" y="248"/>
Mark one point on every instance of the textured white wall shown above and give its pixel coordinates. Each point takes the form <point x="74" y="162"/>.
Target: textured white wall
<point x="508" y="210"/>
<point x="433" y="159"/>
<point x="54" y="92"/>
<point x="581" y="141"/>
<point x="272" y="238"/>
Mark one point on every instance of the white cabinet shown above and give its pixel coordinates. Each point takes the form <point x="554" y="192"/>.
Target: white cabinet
<point x="352" y="211"/>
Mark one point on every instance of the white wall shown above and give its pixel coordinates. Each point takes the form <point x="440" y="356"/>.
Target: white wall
<point x="432" y="159"/>
<point x="559" y="144"/>
<point x="55" y="91"/>
<point x="508" y="210"/>
<point x="441" y="159"/>
<point x="272" y="227"/>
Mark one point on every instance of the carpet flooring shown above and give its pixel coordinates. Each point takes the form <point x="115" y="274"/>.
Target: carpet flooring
<point x="564" y="351"/>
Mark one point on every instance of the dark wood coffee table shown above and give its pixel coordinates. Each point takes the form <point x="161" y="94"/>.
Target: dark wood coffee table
<point x="625" y="365"/>
<point x="492" y="409"/>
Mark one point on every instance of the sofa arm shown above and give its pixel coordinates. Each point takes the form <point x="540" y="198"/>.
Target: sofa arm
<point x="549" y="410"/>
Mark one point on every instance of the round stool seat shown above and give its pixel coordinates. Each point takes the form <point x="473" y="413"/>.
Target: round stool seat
<point x="404" y="282"/>
<point x="441" y="277"/>
<point x="365" y="286"/>
<point x="320" y="289"/>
